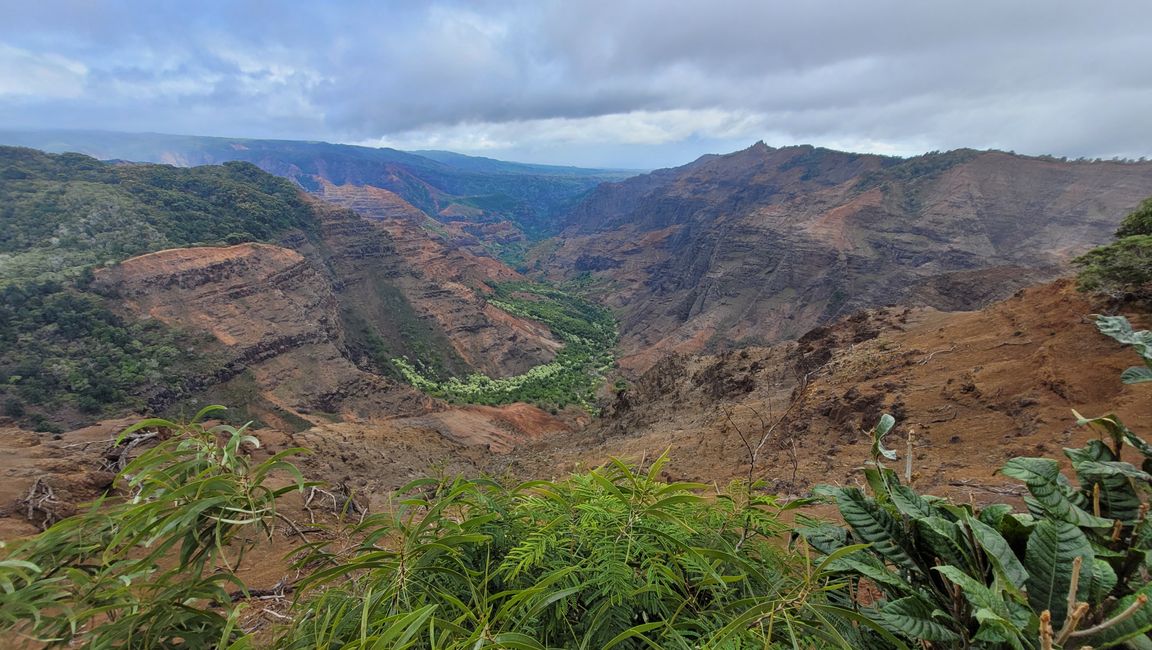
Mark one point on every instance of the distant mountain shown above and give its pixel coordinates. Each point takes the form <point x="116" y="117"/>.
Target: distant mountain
<point x="468" y="195"/>
<point x="763" y="244"/>
<point x="493" y="166"/>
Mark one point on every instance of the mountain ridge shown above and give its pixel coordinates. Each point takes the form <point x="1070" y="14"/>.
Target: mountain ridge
<point x="763" y="244"/>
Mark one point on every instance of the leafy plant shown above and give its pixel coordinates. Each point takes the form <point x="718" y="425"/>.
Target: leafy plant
<point x="1123" y="268"/>
<point x="1120" y="329"/>
<point x="150" y="568"/>
<point x="1070" y="572"/>
<point x="614" y="558"/>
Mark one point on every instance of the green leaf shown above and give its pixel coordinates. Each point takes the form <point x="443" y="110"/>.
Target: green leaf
<point x="999" y="553"/>
<point x="1131" y="627"/>
<point x="878" y="432"/>
<point x="913" y="617"/>
<point x="875" y="525"/>
<point x="1052" y="547"/>
<point x="1049" y="489"/>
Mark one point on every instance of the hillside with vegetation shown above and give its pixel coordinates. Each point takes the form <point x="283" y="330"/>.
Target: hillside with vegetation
<point x="474" y="197"/>
<point x="618" y="557"/>
<point x="761" y="245"/>
<point x="588" y="333"/>
<point x="69" y="352"/>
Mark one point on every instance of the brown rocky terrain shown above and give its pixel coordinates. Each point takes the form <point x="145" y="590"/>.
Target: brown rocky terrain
<point x="420" y="295"/>
<point x="298" y="325"/>
<point x="276" y="315"/>
<point x="973" y="388"/>
<point x="763" y="244"/>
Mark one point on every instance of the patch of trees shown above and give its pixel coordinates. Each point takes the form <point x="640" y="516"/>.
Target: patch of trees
<point x="64" y="350"/>
<point x="1122" y="269"/>
<point x="62" y="213"/>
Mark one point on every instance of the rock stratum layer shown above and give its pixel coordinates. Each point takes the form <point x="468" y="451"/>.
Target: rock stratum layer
<point x="764" y="244"/>
<point x="300" y="323"/>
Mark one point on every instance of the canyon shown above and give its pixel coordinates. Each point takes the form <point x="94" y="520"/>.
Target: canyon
<point x="771" y="304"/>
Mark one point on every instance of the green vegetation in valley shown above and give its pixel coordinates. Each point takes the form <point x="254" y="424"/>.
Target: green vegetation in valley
<point x="589" y="335"/>
<point x="612" y="558"/>
<point x="1122" y="269"/>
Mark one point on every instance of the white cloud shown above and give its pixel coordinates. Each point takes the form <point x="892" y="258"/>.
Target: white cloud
<point x="34" y="75"/>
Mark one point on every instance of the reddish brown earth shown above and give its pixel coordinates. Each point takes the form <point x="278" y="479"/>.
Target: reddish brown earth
<point x="761" y="245"/>
<point x="976" y="388"/>
<point x="414" y="290"/>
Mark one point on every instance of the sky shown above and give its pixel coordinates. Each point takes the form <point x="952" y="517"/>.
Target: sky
<point x="608" y="83"/>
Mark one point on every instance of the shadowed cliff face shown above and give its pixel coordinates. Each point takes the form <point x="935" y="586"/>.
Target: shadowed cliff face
<point x="301" y="325"/>
<point x="763" y="244"/>
<point x="421" y="297"/>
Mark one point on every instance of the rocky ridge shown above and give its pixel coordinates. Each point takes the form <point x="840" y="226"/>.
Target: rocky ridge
<point x="761" y="245"/>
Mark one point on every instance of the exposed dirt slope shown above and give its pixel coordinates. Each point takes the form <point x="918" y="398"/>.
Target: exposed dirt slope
<point x="976" y="387"/>
<point x="761" y="245"/>
<point x="277" y="316"/>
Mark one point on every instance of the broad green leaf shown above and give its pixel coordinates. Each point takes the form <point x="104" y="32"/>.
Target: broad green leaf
<point x="878" y="432"/>
<point x="874" y="525"/>
<point x="1136" y="375"/>
<point x="1133" y="626"/>
<point x="914" y="618"/>
<point x="1048" y="488"/>
<point x="1052" y="547"/>
<point x="999" y="552"/>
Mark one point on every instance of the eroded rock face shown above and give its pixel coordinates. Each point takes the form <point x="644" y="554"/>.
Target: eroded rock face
<point x="381" y="250"/>
<point x="275" y="314"/>
<point x="764" y="244"/>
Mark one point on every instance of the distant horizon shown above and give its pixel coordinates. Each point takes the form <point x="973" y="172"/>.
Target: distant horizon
<point x="550" y="163"/>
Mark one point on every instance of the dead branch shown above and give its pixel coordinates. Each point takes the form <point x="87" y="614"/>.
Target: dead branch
<point x="40" y="499"/>
<point x="925" y="360"/>
<point x="117" y="456"/>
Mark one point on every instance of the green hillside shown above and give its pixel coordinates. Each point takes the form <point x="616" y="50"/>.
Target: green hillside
<point x="67" y="354"/>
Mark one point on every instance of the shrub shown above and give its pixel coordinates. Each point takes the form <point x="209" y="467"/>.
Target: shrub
<point x="1122" y="269"/>
<point x="611" y="558"/>
<point x="1071" y="572"/>
<point x="141" y="570"/>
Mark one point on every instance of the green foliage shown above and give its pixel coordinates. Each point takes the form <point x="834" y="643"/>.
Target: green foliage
<point x="1139" y="222"/>
<point x="63" y="213"/>
<point x="61" y="348"/>
<point x="589" y="335"/>
<point x="612" y="558"/>
<point x="153" y="567"/>
<point x="1120" y="329"/>
<point x="1122" y="269"/>
<point x="1072" y="569"/>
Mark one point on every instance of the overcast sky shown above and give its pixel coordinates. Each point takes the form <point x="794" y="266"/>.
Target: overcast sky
<point x="621" y="83"/>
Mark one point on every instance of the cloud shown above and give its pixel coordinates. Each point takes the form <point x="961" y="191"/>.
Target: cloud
<point x="27" y="75"/>
<point x="548" y="79"/>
